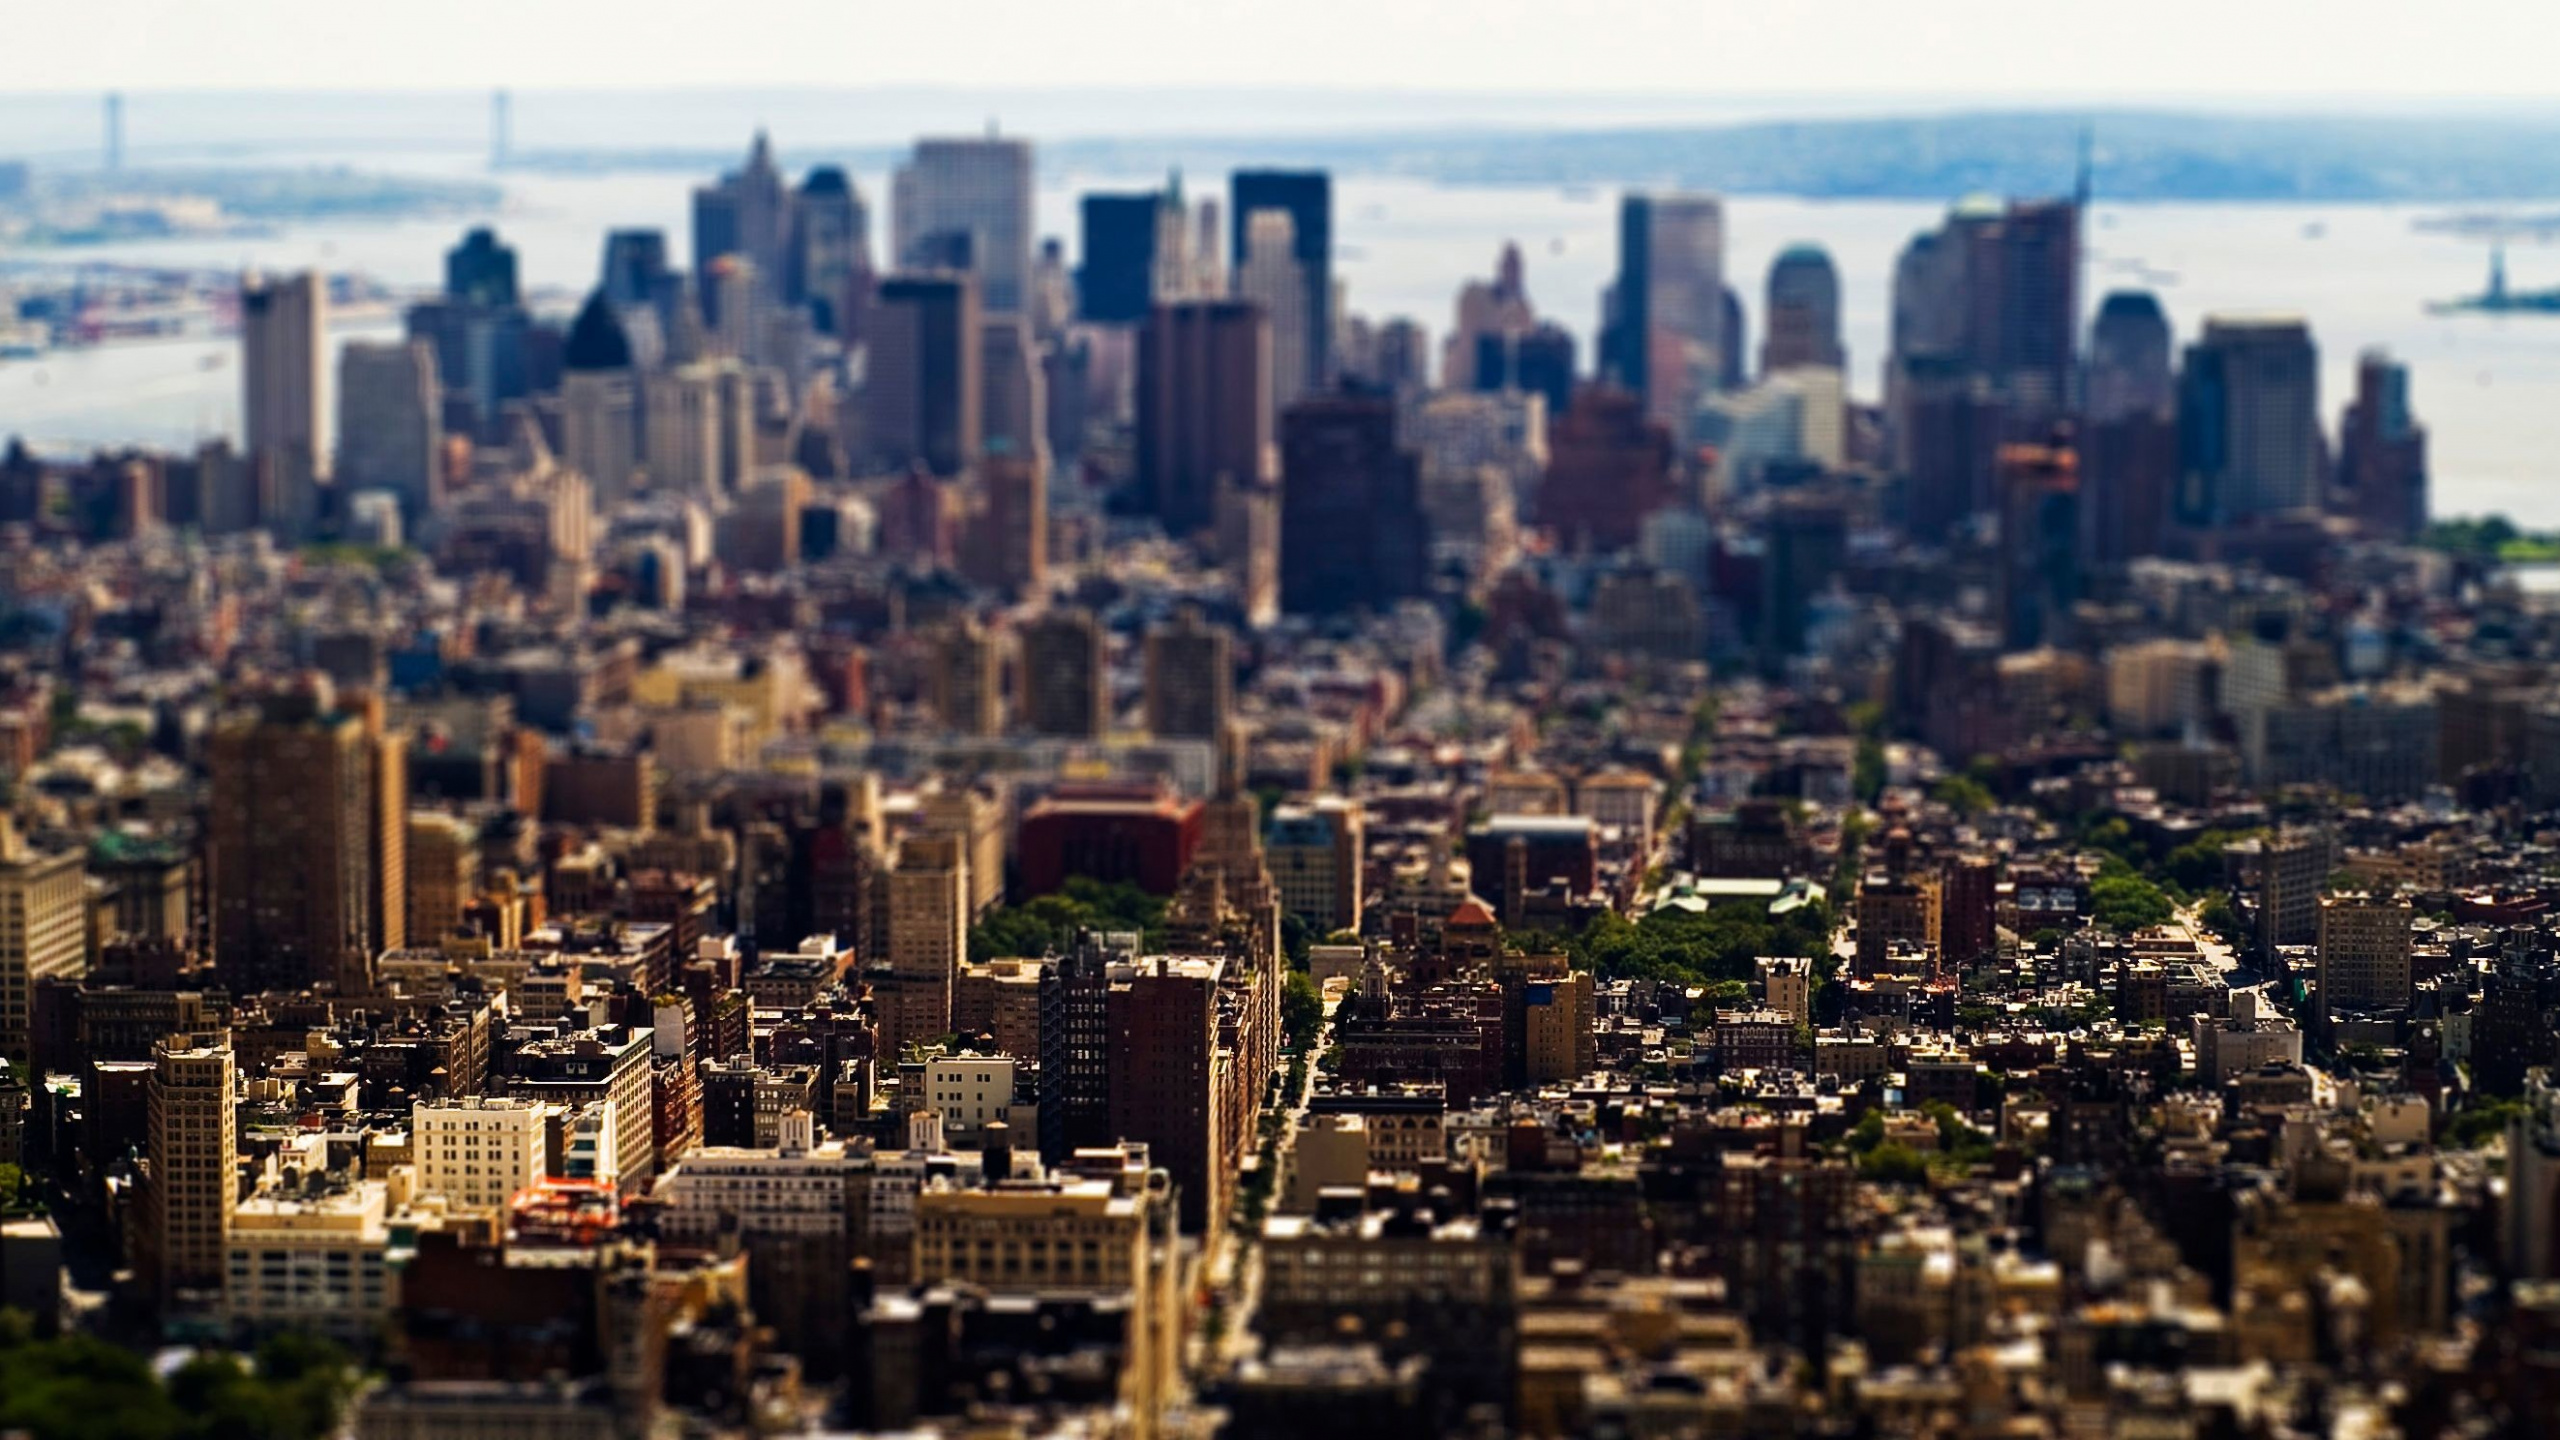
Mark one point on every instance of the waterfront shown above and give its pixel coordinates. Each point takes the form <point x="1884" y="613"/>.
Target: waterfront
<point x="2488" y="386"/>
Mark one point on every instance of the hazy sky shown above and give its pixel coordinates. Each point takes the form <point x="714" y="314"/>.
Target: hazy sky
<point x="2231" y="51"/>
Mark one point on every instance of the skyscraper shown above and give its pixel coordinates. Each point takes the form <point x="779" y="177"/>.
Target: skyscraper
<point x="1119" y="281"/>
<point x="2039" y="542"/>
<point x="2130" y="359"/>
<point x="294" y="841"/>
<point x="1489" y="314"/>
<point x="830" y="246"/>
<point x="1307" y="196"/>
<point x="43" y="932"/>
<point x="2382" y="451"/>
<point x="480" y="271"/>
<point x="978" y="188"/>
<point x="1609" y="465"/>
<point x="480" y="329"/>
<point x="967" y="688"/>
<point x="1204" y="407"/>
<point x="1994" y="290"/>
<point x="1066" y="676"/>
<point x="193" y="1123"/>
<point x="747" y="212"/>
<point x="1802" y="323"/>
<point x="1009" y="541"/>
<point x="2249" y="421"/>
<point x="281" y="326"/>
<point x="1272" y="277"/>
<point x="1351" y="526"/>
<point x="391" y="423"/>
<point x="928" y="934"/>
<point x="1190" y="678"/>
<point x="1665" y="328"/>
<point x="600" y="402"/>
<point x="927" y="379"/>
<point x="1014" y="407"/>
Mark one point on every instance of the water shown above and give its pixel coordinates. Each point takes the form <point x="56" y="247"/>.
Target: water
<point x="2488" y="387"/>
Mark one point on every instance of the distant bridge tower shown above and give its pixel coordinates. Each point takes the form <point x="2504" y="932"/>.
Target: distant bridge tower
<point x="115" y="131"/>
<point x="500" y="140"/>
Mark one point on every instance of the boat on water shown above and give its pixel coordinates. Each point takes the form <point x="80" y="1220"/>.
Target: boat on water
<point x="2498" y="299"/>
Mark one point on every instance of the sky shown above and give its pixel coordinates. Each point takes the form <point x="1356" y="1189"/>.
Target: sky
<point x="2253" y="53"/>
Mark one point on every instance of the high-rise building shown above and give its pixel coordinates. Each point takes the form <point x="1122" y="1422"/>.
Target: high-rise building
<point x="282" y="322"/>
<point x="2382" y="452"/>
<point x="2249" y="421"/>
<point x="1808" y="543"/>
<point x="1802" y="325"/>
<point x="830" y="246"/>
<point x="1163" y="1017"/>
<point x="635" y="269"/>
<point x="1075" y="1043"/>
<point x="391" y="423"/>
<point x="478" y="1152"/>
<point x="1993" y="293"/>
<point x="968" y="679"/>
<point x="293" y="839"/>
<point x="747" y="213"/>
<point x="600" y="402"/>
<point x="1307" y="197"/>
<point x="43" y="933"/>
<point x="927" y="378"/>
<point x="1066" y="676"/>
<point x="2039" y="542"/>
<point x="1664" y="334"/>
<point x="1609" y="465"/>
<point x="1270" y="275"/>
<point x="1204" y="407"/>
<point x="193" y="1125"/>
<point x="1190" y="678"/>
<point x="1351" y="527"/>
<point x="2364" y="953"/>
<point x="928" y="895"/>
<point x="481" y="332"/>
<point x="2130" y="359"/>
<point x="1124" y="243"/>
<point x="1314" y="855"/>
<point x="1009" y="531"/>
<point x="443" y="864"/>
<point x="1490" y="314"/>
<point x="977" y="188"/>
<point x="1014" y="406"/>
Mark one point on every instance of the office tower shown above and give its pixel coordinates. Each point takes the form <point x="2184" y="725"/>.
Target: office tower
<point x="695" y="429"/>
<point x="2039" y="542"/>
<point x="1736" y="371"/>
<point x="1163" y="1018"/>
<point x="292" y="840"/>
<point x="748" y="212"/>
<point x="1066" y="676"/>
<point x="1995" y="290"/>
<point x="2128" y="474"/>
<point x="1802" y="323"/>
<point x="1664" y="334"/>
<point x="730" y="294"/>
<point x="927" y="376"/>
<point x="1307" y="197"/>
<point x="2364" y="953"/>
<point x="635" y="269"/>
<point x="2130" y="361"/>
<point x="1314" y="855"/>
<point x="1009" y="543"/>
<point x="391" y="423"/>
<point x="1948" y="428"/>
<point x="1075" y="1043"/>
<point x="43" y="932"/>
<point x="443" y="865"/>
<point x="193" y="1121"/>
<point x="1271" y="276"/>
<point x="1537" y="361"/>
<point x="2249" y="421"/>
<point x="1015" y="403"/>
<point x="1808" y="544"/>
<point x="1204" y="407"/>
<point x="928" y="938"/>
<point x="477" y="1152"/>
<point x="1402" y="364"/>
<point x="1609" y="465"/>
<point x="761" y="532"/>
<point x="830" y="246"/>
<point x="1190" y="678"/>
<point x="1124" y="239"/>
<point x="2382" y="452"/>
<point x="974" y="188"/>
<point x="1489" y="313"/>
<point x="968" y="679"/>
<point x="600" y="402"/>
<point x="1351" y="528"/>
<point x="481" y="271"/>
<point x="282" y="322"/>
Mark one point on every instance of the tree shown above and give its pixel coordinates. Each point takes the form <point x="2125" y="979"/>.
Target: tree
<point x="1867" y="770"/>
<point x="1964" y="795"/>
<point x="1301" y="1010"/>
<point x="1893" y="1163"/>
<point x="2128" y="902"/>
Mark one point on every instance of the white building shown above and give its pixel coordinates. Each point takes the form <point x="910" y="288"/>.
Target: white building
<point x="477" y="1153"/>
<point x="311" y="1263"/>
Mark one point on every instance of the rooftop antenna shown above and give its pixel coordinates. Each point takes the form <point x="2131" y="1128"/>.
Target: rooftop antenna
<point x="115" y="131"/>
<point x="501" y="128"/>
